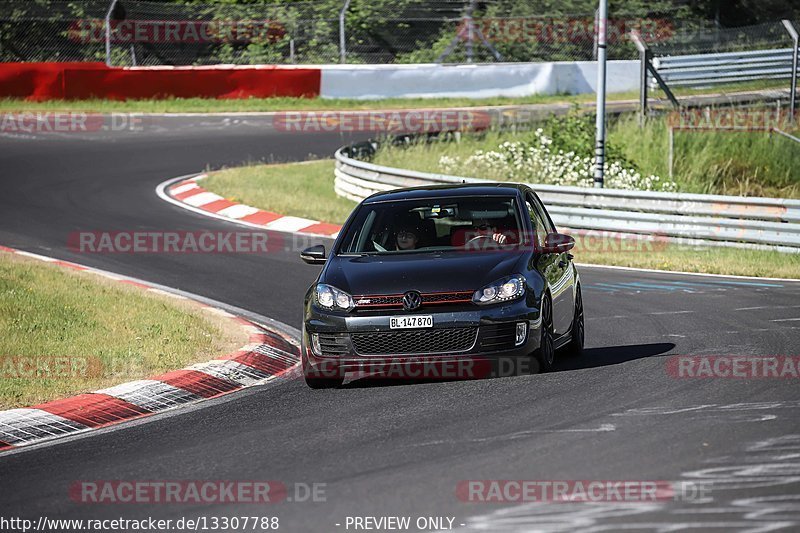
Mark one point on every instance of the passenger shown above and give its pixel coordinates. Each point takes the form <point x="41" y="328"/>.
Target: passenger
<point x="407" y="238"/>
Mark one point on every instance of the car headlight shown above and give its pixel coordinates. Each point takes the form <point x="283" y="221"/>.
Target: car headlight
<point x="330" y="297"/>
<point x="502" y="290"/>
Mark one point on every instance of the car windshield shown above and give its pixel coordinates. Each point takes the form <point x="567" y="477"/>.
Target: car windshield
<point x="428" y="225"/>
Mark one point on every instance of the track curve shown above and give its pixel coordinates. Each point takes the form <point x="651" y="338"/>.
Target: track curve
<point x="397" y="448"/>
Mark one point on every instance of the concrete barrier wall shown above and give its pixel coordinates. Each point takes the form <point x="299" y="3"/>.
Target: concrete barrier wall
<point x="370" y="82"/>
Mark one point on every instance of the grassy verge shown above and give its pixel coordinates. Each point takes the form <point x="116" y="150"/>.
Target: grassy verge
<point x="297" y="189"/>
<point x="275" y="188"/>
<point x="64" y="332"/>
<point x="706" y="260"/>
<point x="729" y="163"/>
<point x="204" y="105"/>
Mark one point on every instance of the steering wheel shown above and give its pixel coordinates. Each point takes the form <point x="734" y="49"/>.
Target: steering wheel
<point x="476" y="237"/>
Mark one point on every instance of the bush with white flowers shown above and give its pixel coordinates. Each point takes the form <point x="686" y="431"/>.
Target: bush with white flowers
<point x="536" y="162"/>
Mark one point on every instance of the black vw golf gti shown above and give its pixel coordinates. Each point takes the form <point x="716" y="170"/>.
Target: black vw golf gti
<point x="442" y="274"/>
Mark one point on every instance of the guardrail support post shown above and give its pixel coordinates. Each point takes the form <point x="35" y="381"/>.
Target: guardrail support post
<point x="795" y="51"/>
<point x="647" y="66"/>
<point x="108" y="31"/>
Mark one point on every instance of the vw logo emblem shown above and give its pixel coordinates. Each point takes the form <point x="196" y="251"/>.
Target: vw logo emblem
<point x="412" y="300"/>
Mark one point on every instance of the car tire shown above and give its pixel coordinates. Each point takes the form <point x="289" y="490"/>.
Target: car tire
<point x="317" y="378"/>
<point x="546" y="354"/>
<point x="575" y="346"/>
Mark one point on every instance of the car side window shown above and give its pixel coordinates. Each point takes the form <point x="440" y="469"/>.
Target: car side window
<point x="537" y="223"/>
<point x="541" y="213"/>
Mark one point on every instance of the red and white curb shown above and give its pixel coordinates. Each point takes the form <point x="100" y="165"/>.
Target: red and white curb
<point x="187" y="193"/>
<point x="269" y="355"/>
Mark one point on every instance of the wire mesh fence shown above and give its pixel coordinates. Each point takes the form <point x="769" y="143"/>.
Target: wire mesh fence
<point x="134" y="32"/>
<point x="391" y="31"/>
<point x="712" y="40"/>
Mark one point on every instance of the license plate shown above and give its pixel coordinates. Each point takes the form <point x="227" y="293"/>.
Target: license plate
<point x="411" y="322"/>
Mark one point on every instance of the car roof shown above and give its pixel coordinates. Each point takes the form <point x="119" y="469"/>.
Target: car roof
<point x="447" y="191"/>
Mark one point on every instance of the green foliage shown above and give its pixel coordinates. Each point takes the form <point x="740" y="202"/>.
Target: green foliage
<point x="737" y="163"/>
<point x="576" y="132"/>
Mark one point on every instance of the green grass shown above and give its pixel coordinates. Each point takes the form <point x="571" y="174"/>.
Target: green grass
<point x="205" y="105"/>
<point x="113" y="333"/>
<point x="306" y="190"/>
<point x="297" y="189"/>
<point x="733" y="163"/>
<point x="707" y="260"/>
<point x="425" y="156"/>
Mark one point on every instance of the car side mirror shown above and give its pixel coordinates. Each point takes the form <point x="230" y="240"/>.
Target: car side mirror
<point x="558" y="243"/>
<point x="314" y="255"/>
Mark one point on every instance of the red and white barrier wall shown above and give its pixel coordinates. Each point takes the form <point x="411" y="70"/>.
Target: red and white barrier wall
<point x="76" y="81"/>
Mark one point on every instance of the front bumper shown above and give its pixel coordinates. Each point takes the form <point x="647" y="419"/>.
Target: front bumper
<point x="491" y="344"/>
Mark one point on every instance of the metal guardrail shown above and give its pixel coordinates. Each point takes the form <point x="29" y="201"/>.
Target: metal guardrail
<point x="768" y="223"/>
<point x="733" y="67"/>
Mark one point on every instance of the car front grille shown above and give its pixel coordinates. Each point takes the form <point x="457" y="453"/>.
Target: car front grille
<point x="396" y="300"/>
<point x="496" y="337"/>
<point x="413" y="342"/>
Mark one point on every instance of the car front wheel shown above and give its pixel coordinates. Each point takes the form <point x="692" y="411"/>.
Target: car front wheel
<point x="575" y="346"/>
<point x="546" y="354"/>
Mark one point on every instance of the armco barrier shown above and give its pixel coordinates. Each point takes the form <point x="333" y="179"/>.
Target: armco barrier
<point x="688" y="218"/>
<point x="700" y="70"/>
<point x="70" y="81"/>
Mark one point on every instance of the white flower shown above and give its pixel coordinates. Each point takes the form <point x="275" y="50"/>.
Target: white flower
<point x="517" y="161"/>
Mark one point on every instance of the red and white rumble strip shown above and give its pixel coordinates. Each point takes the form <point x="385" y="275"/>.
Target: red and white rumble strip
<point x="189" y="193"/>
<point x="268" y="355"/>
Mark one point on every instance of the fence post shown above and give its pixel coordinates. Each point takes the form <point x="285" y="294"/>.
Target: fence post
<point x="108" y="32"/>
<point x="342" y="43"/>
<point x="795" y="51"/>
<point x="671" y="154"/>
<point x="644" y="58"/>
<point x="600" y="143"/>
<point x="470" y="30"/>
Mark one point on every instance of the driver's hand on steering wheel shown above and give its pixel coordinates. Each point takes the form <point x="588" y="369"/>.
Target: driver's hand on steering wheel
<point x="499" y="238"/>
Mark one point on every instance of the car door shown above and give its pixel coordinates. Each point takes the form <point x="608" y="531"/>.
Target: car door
<point x="555" y="267"/>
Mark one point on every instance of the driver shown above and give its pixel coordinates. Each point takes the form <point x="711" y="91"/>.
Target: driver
<point x="484" y="228"/>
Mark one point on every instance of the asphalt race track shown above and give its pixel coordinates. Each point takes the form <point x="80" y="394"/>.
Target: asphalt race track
<point x="389" y="448"/>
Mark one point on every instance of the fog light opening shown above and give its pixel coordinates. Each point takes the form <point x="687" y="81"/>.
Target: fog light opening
<point x="315" y="347"/>
<point x="522" y="332"/>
